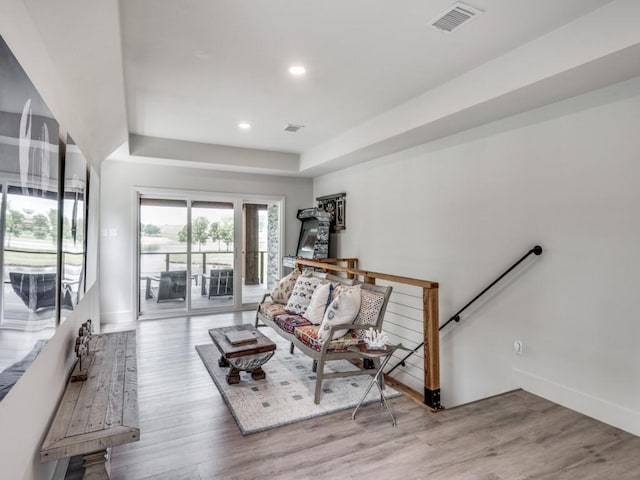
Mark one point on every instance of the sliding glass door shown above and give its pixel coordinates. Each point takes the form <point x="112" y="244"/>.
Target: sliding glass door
<point x="163" y="246"/>
<point x="212" y="255"/>
<point x="205" y="252"/>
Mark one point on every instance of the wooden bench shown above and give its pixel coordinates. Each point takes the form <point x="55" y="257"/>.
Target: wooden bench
<point x="100" y="412"/>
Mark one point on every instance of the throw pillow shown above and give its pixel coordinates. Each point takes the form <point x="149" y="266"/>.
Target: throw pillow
<point x="318" y="305"/>
<point x="370" y="306"/>
<point x="282" y="290"/>
<point x="302" y="292"/>
<point x="343" y="309"/>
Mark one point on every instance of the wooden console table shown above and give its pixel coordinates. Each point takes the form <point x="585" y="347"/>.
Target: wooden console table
<point x="100" y="412"/>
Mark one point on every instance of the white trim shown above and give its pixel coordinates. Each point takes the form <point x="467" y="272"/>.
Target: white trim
<point x="598" y="408"/>
<point x="113" y="317"/>
<point x="135" y="271"/>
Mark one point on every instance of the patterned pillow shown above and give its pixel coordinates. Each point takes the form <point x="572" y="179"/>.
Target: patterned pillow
<point x="282" y="290"/>
<point x="302" y="293"/>
<point x="343" y="309"/>
<point x="319" y="302"/>
<point x="370" y="306"/>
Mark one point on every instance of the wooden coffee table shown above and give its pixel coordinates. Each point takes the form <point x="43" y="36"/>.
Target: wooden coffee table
<point x="247" y="356"/>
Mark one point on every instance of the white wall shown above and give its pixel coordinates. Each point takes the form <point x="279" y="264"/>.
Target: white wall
<point x="460" y="210"/>
<point x="119" y="183"/>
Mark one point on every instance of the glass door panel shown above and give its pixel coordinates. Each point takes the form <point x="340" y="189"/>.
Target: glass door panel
<point x="212" y="255"/>
<point x="163" y="262"/>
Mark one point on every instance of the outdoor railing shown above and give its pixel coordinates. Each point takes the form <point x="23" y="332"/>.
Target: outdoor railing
<point x="206" y="260"/>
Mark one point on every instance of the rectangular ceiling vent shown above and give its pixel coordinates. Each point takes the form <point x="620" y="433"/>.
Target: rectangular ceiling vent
<point x="454" y="16"/>
<point x="290" y="127"/>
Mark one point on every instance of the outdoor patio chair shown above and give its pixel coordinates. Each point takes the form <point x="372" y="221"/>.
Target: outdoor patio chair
<point x="172" y="286"/>
<point x="220" y="282"/>
<point x="38" y="290"/>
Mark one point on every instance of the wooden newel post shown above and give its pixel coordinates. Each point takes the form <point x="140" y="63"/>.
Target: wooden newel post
<point x="431" y="347"/>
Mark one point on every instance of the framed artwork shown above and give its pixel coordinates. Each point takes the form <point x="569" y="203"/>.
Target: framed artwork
<point x="336" y="206"/>
<point x="29" y="221"/>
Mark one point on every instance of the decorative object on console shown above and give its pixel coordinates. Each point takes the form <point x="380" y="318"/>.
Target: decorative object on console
<point x="335" y="205"/>
<point x="82" y="350"/>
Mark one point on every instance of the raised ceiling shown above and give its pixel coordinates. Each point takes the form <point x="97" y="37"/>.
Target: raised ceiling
<point x="168" y="81"/>
<point x="194" y="69"/>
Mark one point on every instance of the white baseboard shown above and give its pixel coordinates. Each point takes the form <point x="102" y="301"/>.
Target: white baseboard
<point x="111" y="317"/>
<point x="594" y="407"/>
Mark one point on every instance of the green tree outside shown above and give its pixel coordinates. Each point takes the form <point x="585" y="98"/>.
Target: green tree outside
<point x="15" y="225"/>
<point x="182" y="234"/>
<point x="200" y="231"/>
<point x="41" y="227"/>
<point x="151" y="230"/>
<point x="226" y="234"/>
<point x="215" y="232"/>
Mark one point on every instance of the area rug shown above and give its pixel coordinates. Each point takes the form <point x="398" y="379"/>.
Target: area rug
<point x="286" y="395"/>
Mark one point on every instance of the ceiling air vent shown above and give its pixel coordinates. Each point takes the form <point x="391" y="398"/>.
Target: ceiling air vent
<point x="290" y="127"/>
<point x="454" y="16"/>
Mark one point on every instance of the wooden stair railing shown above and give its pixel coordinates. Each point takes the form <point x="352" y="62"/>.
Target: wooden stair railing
<point x="430" y="315"/>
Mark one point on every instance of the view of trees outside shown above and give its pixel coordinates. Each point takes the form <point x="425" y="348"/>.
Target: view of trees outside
<point x="30" y="246"/>
<point x="30" y="233"/>
<point x="164" y="231"/>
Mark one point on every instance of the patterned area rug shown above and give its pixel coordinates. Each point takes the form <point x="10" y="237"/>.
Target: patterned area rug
<point x="286" y="395"/>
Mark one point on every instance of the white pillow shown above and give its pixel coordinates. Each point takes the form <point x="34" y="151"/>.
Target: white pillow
<point x="343" y="309"/>
<point x="319" y="301"/>
<point x="302" y="293"/>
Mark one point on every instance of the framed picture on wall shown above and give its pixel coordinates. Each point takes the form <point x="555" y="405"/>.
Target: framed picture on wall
<point x="340" y="213"/>
<point x="335" y="205"/>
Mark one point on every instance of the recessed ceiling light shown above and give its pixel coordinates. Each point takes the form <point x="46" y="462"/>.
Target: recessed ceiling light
<point x="244" y="125"/>
<point x="297" y="70"/>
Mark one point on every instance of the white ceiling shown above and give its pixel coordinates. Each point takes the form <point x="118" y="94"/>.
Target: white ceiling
<point x="193" y="69"/>
<point x="168" y="81"/>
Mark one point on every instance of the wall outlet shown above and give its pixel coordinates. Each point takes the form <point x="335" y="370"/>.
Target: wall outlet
<point x="517" y="347"/>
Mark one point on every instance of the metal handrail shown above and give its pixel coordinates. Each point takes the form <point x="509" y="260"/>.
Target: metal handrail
<point x="537" y="250"/>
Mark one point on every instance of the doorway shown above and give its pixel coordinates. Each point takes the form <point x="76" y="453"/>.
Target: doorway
<point x="201" y="253"/>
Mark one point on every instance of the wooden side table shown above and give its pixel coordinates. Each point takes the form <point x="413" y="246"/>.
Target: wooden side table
<point x="382" y="357"/>
<point x="247" y="357"/>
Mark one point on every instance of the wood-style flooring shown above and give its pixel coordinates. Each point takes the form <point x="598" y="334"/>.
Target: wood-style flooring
<point x="187" y="432"/>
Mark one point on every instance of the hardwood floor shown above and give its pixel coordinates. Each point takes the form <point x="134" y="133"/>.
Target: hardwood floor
<point x="187" y="432"/>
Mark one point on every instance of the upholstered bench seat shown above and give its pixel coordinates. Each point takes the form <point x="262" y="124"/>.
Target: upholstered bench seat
<point x="309" y="336"/>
